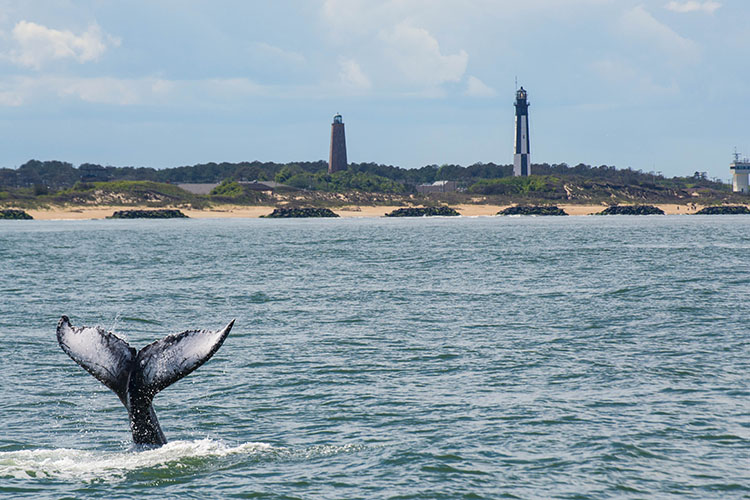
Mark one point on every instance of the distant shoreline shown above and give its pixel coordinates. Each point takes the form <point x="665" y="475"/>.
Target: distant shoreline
<point x="236" y="211"/>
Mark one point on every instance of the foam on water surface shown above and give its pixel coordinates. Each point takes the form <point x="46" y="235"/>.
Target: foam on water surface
<point x="179" y="457"/>
<point x="87" y="465"/>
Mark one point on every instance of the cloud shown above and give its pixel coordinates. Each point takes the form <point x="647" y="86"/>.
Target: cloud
<point x="218" y="87"/>
<point x="104" y="90"/>
<point x="394" y="41"/>
<point x="614" y="71"/>
<point x="477" y="88"/>
<point x="23" y="90"/>
<point x="10" y="98"/>
<point x="693" y="6"/>
<point x="640" y="25"/>
<point x="35" y="45"/>
<point x="160" y="86"/>
<point x="14" y="91"/>
<point x="621" y="74"/>
<point x="352" y="75"/>
<point x="351" y="17"/>
<point x="416" y="54"/>
<point x="357" y="16"/>
<point x="268" y="51"/>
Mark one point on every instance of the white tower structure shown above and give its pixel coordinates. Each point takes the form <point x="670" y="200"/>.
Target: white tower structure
<point x="522" y="156"/>
<point x="740" y="169"/>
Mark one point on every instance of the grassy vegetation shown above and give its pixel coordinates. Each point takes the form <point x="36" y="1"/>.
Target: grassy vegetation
<point x="228" y="189"/>
<point x="581" y="189"/>
<point x="41" y="184"/>
<point x="518" y="185"/>
<point x="339" y="182"/>
<point x="127" y="193"/>
<point x="105" y="193"/>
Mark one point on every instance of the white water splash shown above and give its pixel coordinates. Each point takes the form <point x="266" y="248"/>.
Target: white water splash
<point x="90" y="466"/>
<point x="65" y="463"/>
<point x="113" y="329"/>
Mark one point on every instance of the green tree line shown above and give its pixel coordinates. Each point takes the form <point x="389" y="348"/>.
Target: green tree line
<point x="51" y="176"/>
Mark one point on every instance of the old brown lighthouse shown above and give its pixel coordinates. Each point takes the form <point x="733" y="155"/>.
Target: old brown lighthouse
<point x="337" y="157"/>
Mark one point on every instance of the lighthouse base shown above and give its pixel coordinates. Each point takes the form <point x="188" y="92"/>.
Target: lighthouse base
<point x="521" y="165"/>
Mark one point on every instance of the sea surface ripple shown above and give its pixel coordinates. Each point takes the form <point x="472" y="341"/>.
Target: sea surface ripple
<point x="477" y="358"/>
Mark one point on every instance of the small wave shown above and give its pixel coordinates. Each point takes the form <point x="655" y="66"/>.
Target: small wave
<point x="140" y="320"/>
<point x="260" y="298"/>
<point x="177" y="457"/>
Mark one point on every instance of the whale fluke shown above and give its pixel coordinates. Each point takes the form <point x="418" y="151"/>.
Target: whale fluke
<point x="137" y="376"/>
<point x="103" y="354"/>
<point x="166" y="361"/>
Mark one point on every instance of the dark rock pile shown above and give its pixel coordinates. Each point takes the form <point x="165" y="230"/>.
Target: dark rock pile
<point x="724" y="210"/>
<point x="632" y="210"/>
<point x="423" y="212"/>
<point x="147" y="214"/>
<point x="285" y="213"/>
<point x="14" y="214"/>
<point x="532" y="210"/>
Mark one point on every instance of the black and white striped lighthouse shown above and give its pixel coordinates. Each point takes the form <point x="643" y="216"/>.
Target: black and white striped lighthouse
<point x="522" y="156"/>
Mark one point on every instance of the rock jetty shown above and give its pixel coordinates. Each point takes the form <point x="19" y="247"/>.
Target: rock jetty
<point x="13" y="214"/>
<point x="423" y="212"/>
<point x="289" y="213"/>
<point x="532" y="210"/>
<point x="632" y="210"/>
<point x="724" y="210"/>
<point x="147" y="214"/>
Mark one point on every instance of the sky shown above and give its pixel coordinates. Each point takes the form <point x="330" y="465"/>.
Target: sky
<point x="655" y="85"/>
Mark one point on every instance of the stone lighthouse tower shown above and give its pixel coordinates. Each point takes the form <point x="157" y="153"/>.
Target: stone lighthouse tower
<point x="337" y="157"/>
<point x="522" y="156"/>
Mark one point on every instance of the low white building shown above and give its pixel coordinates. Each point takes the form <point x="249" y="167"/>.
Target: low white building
<point x="740" y="168"/>
<point x="198" y="188"/>
<point x="206" y="188"/>
<point x="438" y="187"/>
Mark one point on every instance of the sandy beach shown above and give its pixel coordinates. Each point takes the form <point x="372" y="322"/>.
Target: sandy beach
<point x="219" y="212"/>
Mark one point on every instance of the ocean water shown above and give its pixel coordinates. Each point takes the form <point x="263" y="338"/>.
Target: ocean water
<point x="477" y="358"/>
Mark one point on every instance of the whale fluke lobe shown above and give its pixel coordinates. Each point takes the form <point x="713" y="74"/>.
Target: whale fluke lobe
<point x="166" y="361"/>
<point x="137" y="376"/>
<point x="103" y="354"/>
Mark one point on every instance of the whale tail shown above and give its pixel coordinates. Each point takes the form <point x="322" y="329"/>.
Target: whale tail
<point x="164" y="362"/>
<point x="137" y="376"/>
<point x="103" y="354"/>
